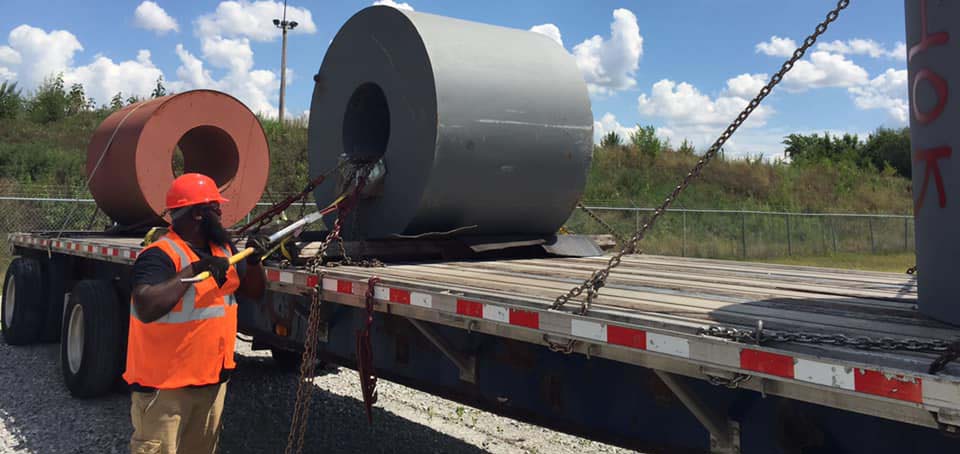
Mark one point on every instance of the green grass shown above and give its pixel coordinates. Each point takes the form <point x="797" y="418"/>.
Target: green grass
<point x="895" y="263"/>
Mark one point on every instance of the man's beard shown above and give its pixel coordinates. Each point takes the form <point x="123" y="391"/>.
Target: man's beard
<point x="213" y="229"/>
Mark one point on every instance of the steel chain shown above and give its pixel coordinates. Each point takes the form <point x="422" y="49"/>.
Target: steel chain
<point x="732" y="383"/>
<point x="750" y="336"/>
<point x="609" y="228"/>
<point x="301" y="408"/>
<point x="598" y="279"/>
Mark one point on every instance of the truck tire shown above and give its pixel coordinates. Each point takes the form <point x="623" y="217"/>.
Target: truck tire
<point x="289" y="361"/>
<point x="24" y="302"/>
<point x="90" y="343"/>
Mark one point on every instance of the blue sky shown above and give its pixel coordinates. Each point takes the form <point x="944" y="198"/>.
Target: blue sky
<point x="684" y="67"/>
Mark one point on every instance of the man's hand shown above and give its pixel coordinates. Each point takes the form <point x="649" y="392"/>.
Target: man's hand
<point x="217" y="266"/>
<point x="259" y="244"/>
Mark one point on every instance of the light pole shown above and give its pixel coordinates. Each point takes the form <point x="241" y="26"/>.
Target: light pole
<point x="284" y="25"/>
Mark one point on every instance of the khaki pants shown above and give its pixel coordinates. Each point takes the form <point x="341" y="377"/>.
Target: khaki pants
<point x="172" y="421"/>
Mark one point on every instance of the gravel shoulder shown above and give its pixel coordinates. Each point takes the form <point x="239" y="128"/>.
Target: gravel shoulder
<point x="37" y="415"/>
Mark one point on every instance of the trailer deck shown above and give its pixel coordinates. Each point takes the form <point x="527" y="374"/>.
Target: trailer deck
<point x="651" y="314"/>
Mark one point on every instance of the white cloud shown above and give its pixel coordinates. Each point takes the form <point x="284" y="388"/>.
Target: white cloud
<point x="8" y="56"/>
<point x="234" y="55"/>
<point x="681" y="104"/>
<point x="899" y="51"/>
<point x="391" y="3"/>
<point x="41" y="54"/>
<point x="550" y="31"/>
<point x="610" y="64"/>
<point x="888" y="92"/>
<point x="608" y="123"/>
<point x="746" y="85"/>
<point x="689" y="114"/>
<point x="151" y="16"/>
<point x="254" y="20"/>
<point x="103" y="78"/>
<point x="864" y="47"/>
<point x="34" y="55"/>
<point x="256" y="88"/>
<point x="824" y="69"/>
<point x="777" y="47"/>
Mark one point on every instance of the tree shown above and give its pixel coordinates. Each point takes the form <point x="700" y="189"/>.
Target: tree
<point x="11" y="100"/>
<point x="159" y="91"/>
<point x="133" y="99"/>
<point x="889" y="147"/>
<point x="116" y="103"/>
<point x="805" y="149"/>
<point x="77" y="100"/>
<point x="686" y="148"/>
<point x="645" y="140"/>
<point x="611" y="140"/>
<point x="50" y="102"/>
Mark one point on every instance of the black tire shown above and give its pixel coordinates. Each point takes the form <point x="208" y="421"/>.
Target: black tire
<point x="24" y="302"/>
<point x="55" y="272"/>
<point x="289" y="361"/>
<point x="91" y="341"/>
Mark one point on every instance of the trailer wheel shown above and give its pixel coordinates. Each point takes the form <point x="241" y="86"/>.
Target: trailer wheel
<point x="24" y="302"/>
<point x="289" y="361"/>
<point x="90" y="343"/>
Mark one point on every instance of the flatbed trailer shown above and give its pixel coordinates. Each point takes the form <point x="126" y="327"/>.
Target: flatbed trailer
<point x="638" y="369"/>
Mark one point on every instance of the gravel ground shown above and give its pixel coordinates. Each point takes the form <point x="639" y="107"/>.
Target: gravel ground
<point x="37" y="415"/>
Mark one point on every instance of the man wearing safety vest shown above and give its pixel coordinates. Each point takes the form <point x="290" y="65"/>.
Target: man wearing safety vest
<point x="181" y="341"/>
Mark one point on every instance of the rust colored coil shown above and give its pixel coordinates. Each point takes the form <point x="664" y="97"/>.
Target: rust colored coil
<point x="132" y="152"/>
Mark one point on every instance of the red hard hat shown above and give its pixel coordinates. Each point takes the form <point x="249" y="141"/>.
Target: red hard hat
<point x="193" y="189"/>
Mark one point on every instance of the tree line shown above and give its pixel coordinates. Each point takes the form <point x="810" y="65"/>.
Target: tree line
<point x="52" y="101"/>
<point x="886" y="150"/>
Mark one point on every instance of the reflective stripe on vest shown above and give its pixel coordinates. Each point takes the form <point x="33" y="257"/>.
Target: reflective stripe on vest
<point x="188" y="311"/>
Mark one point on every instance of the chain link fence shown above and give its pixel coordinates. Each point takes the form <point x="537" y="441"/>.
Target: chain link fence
<point x="681" y="232"/>
<point x="745" y="234"/>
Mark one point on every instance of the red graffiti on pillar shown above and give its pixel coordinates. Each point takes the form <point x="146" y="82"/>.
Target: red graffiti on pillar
<point x="931" y="156"/>
<point x="926" y="41"/>
<point x="940" y="86"/>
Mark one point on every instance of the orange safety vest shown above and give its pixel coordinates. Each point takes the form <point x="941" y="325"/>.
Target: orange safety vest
<point x="194" y="342"/>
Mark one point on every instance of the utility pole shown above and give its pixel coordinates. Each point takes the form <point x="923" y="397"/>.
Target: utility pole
<point x="283" y="25"/>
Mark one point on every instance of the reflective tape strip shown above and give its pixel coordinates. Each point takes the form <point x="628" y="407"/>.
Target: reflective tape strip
<point x="824" y="374"/>
<point x="588" y="329"/>
<point x="627" y="337"/>
<point x="469" y="308"/>
<point x="495" y="313"/>
<point x="668" y="345"/>
<point x="523" y="318"/>
<point x="286" y="277"/>
<point x="421" y="299"/>
<point x="766" y="363"/>
<point x="893" y="386"/>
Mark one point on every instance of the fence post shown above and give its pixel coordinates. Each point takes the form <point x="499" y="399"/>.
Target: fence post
<point x="683" y="236"/>
<point x="873" y="244"/>
<point x="833" y="228"/>
<point x="789" y="241"/>
<point x="636" y="211"/>
<point x="906" y="227"/>
<point x="743" y="233"/>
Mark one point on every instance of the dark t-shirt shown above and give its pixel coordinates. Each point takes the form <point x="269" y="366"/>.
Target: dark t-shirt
<point x="153" y="267"/>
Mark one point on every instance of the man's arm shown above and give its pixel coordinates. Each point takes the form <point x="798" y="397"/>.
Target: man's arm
<point x="154" y="301"/>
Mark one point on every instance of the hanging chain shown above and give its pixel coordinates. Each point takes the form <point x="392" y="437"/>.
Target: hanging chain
<point x="913" y="269"/>
<point x="609" y="228"/>
<point x="599" y="278"/>
<point x="368" y="375"/>
<point x="301" y="409"/>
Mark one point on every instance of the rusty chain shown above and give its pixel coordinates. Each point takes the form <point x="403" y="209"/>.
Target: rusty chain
<point x="609" y="228"/>
<point x="599" y="278"/>
<point x="301" y="409"/>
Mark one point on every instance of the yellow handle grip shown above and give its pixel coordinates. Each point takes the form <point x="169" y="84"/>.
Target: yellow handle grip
<point x="234" y="259"/>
